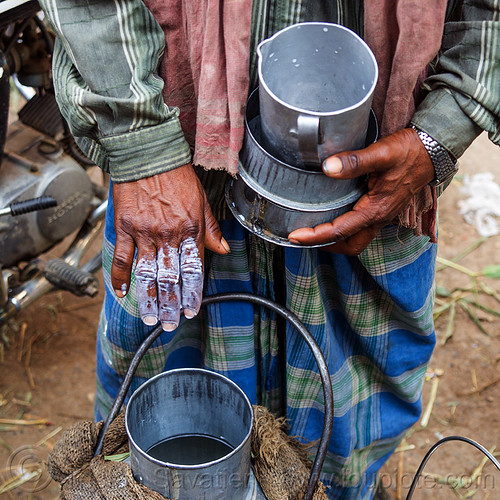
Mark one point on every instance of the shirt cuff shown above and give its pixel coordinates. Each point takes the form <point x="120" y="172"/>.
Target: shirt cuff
<point x="146" y="152"/>
<point x="441" y="116"/>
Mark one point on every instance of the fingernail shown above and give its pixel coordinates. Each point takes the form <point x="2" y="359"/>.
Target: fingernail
<point x="293" y="236"/>
<point x="189" y="313"/>
<point x="168" y="327"/>
<point x="122" y="292"/>
<point x="333" y="166"/>
<point x="150" y="320"/>
<point x="293" y="240"/>
<point x="225" y="244"/>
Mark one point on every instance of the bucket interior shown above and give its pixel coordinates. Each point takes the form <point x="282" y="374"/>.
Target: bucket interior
<point x="318" y="67"/>
<point x="189" y="405"/>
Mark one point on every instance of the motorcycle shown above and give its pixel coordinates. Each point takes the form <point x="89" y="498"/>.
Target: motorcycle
<point x="46" y="189"/>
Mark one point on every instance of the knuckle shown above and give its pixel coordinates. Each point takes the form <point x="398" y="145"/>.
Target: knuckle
<point x="341" y="234"/>
<point x="189" y="229"/>
<point x="141" y="228"/>
<point x="386" y="151"/>
<point x="169" y="302"/>
<point x="371" y="215"/>
<point x="121" y="262"/>
<point x="168" y="276"/>
<point x="168" y="284"/>
<point x="381" y="216"/>
<point x="146" y="270"/>
<point x="192" y="270"/>
<point x="192" y="280"/>
<point x="353" y="161"/>
<point x="125" y="222"/>
<point x="191" y="263"/>
<point x="376" y="217"/>
<point x="170" y="308"/>
<point x="212" y="225"/>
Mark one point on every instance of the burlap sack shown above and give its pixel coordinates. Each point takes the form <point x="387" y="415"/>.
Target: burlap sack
<point x="280" y="463"/>
<point x="71" y="463"/>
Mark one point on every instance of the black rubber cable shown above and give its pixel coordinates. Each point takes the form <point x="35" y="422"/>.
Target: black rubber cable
<point x="75" y="151"/>
<point x="436" y="446"/>
<point x="46" y="35"/>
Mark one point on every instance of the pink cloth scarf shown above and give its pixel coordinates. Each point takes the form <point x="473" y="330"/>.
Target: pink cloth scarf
<point x="405" y="36"/>
<point x="205" y="69"/>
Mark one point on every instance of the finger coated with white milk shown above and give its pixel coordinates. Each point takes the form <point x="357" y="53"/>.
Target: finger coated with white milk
<point x="145" y="277"/>
<point x="169" y="287"/>
<point x="192" y="277"/>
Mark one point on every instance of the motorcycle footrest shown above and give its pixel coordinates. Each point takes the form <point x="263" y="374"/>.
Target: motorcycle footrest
<point x="66" y="277"/>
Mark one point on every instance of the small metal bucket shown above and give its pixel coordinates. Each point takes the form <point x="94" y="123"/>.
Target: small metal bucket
<point x="253" y="490"/>
<point x="316" y="83"/>
<point x="191" y="402"/>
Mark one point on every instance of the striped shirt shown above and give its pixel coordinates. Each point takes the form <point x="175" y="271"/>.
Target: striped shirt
<point x="107" y="54"/>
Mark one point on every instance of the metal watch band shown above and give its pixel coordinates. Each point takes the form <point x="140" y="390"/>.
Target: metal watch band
<point x="445" y="166"/>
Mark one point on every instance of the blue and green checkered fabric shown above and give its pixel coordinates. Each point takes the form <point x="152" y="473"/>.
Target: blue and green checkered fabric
<point x="371" y="316"/>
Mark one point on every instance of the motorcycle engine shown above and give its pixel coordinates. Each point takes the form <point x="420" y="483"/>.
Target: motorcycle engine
<point x="34" y="162"/>
<point x="34" y="165"/>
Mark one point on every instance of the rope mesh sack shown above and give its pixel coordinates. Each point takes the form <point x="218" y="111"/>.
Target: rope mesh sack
<point x="71" y="463"/>
<point x="280" y="463"/>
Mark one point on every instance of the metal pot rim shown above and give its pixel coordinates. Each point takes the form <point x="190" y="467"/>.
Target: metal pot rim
<point x="197" y="371"/>
<point x="372" y="136"/>
<point x="262" y="81"/>
<point x="312" y="206"/>
<point x="264" y="234"/>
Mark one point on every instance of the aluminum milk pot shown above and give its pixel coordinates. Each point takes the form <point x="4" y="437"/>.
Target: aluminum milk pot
<point x="184" y="402"/>
<point x="316" y="82"/>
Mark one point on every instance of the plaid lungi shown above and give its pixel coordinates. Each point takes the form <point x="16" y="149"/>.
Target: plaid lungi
<point x="371" y="315"/>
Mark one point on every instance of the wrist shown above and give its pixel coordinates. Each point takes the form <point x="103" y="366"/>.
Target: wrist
<point x="444" y="163"/>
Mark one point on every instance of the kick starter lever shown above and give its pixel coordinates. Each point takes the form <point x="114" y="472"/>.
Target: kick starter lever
<point x="23" y="207"/>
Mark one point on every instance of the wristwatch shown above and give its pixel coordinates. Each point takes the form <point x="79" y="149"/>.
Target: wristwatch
<point x="445" y="165"/>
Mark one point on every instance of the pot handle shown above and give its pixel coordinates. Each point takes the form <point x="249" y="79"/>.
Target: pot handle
<point x="308" y="134"/>
<point x="301" y="329"/>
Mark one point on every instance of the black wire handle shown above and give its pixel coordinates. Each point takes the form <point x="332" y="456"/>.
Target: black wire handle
<point x="436" y="446"/>
<point x="306" y="335"/>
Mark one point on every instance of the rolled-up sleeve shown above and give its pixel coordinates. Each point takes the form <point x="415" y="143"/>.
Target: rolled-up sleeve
<point x="464" y="97"/>
<point x="105" y="65"/>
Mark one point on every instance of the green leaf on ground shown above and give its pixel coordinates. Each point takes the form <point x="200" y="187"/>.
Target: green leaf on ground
<point x="117" y="458"/>
<point x="491" y="272"/>
<point x="442" y="291"/>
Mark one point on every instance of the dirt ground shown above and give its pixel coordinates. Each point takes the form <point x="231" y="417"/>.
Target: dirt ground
<point x="48" y="373"/>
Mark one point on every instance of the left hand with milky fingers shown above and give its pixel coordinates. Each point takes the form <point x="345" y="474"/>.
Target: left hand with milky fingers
<point x="398" y="166"/>
<point x="168" y="219"/>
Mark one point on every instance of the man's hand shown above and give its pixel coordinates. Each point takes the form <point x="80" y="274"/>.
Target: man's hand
<point x="168" y="219"/>
<point x="398" y="166"/>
